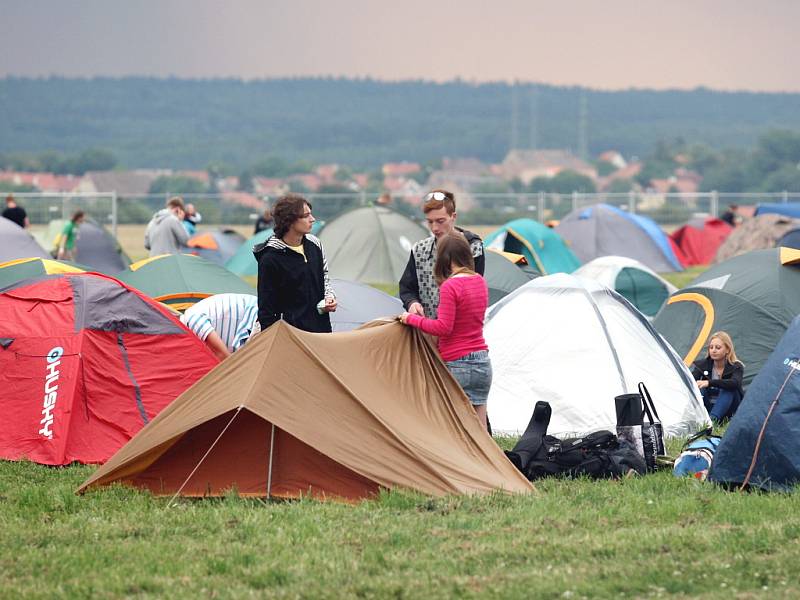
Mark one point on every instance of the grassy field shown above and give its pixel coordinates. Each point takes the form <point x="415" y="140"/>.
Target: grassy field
<point x="652" y="536"/>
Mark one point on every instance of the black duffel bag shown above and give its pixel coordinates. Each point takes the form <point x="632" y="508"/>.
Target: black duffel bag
<point x="598" y="455"/>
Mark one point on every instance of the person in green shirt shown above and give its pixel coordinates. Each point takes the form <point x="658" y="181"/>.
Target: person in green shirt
<point x="66" y="244"/>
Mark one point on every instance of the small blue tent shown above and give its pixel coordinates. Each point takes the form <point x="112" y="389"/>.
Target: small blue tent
<point x="772" y="403"/>
<point x="541" y="246"/>
<point x="605" y="230"/>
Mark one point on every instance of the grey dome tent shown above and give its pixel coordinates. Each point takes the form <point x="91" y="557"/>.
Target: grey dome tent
<point x="772" y="403"/>
<point x="370" y="244"/>
<point x="359" y="303"/>
<point x="17" y="243"/>
<point x="503" y="276"/>
<point x="603" y="230"/>
<point x="94" y="246"/>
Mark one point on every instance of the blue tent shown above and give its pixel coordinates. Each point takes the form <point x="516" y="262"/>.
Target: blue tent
<point x="541" y="246"/>
<point x="605" y="230"/>
<point x="790" y="239"/>
<point x="787" y="209"/>
<point x="772" y="403"/>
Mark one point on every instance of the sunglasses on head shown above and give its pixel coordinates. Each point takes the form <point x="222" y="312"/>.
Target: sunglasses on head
<point x="438" y="196"/>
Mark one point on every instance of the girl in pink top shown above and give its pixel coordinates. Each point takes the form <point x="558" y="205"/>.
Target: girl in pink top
<point x="463" y="298"/>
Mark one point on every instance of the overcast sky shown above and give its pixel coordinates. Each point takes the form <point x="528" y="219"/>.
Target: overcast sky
<point x="721" y="44"/>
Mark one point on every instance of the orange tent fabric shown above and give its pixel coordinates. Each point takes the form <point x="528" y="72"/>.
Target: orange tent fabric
<point x="329" y="415"/>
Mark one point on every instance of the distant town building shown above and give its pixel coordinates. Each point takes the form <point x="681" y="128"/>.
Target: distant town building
<point x="527" y="165"/>
<point x="124" y="183"/>
<point x="400" y="169"/>
<point x="614" y="158"/>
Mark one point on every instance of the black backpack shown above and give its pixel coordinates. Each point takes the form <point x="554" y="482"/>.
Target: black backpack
<point x="598" y="455"/>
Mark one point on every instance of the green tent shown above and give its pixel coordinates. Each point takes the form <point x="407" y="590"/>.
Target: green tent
<point x="181" y="280"/>
<point x="543" y="247"/>
<point x="243" y="263"/>
<point x="504" y="276"/>
<point x="24" y="268"/>
<point x="639" y="284"/>
<point x="753" y="297"/>
<point x="370" y="244"/>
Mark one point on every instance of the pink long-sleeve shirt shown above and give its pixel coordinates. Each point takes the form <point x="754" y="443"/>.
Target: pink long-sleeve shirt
<point x="462" y="304"/>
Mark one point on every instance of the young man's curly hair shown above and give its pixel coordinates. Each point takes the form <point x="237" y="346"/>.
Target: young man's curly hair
<point x="286" y="211"/>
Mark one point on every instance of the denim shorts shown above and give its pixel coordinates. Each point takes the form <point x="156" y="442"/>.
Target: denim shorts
<point x="473" y="373"/>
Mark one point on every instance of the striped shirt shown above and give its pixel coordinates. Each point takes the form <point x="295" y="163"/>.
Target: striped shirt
<point x="232" y="316"/>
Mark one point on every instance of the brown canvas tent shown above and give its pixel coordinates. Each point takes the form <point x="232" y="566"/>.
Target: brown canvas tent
<point x="328" y="415"/>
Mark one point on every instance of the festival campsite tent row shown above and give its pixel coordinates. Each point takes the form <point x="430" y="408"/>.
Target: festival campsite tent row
<point x="753" y="297"/>
<point x="576" y="344"/>
<point x="82" y="366"/>
<point x="336" y="416"/>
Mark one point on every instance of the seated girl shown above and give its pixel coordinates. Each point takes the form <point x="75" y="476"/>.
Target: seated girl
<point x="719" y="377"/>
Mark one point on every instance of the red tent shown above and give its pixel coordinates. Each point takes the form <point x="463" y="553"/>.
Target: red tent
<point x="698" y="242"/>
<point x="85" y="363"/>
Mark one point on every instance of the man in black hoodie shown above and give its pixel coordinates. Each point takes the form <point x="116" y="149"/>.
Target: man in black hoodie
<point x="293" y="282"/>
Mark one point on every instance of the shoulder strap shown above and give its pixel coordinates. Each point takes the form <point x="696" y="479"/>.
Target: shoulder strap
<point x="648" y="404"/>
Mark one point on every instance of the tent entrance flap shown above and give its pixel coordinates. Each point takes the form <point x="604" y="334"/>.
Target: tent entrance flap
<point x="218" y="456"/>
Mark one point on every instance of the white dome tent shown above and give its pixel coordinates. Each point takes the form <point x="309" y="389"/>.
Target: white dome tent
<point x="576" y="344"/>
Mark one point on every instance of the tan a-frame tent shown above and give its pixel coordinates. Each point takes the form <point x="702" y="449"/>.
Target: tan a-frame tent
<point x="328" y="415"/>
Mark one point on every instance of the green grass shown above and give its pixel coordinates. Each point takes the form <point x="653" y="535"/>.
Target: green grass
<point x="648" y="536"/>
<point x="685" y="277"/>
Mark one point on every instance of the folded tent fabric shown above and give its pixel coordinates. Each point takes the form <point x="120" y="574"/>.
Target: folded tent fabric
<point x="336" y="416"/>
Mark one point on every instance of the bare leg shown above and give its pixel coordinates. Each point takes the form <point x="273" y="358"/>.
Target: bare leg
<point x="480" y="410"/>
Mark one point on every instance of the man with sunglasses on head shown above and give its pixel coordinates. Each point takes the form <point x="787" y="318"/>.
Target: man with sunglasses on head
<point x="418" y="289"/>
<point x="293" y="282"/>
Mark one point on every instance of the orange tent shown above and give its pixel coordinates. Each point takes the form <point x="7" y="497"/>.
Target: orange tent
<point x="328" y="415"/>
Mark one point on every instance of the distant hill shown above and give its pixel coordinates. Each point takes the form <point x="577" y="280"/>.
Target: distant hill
<point x="178" y="123"/>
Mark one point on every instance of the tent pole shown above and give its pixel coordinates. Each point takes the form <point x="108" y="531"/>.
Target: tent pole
<point x="269" y="472"/>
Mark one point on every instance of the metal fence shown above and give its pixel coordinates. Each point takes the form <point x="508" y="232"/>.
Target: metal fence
<point x="668" y="209"/>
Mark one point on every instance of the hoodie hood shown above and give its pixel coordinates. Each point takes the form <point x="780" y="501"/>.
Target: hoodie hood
<point x="159" y="217"/>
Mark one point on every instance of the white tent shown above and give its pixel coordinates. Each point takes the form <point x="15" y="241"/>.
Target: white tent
<point x="576" y="344"/>
<point x="640" y="285"/>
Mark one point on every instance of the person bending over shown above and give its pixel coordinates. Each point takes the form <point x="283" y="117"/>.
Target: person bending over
<point x="223" y="321"/>
<point x="463" y="298"/>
